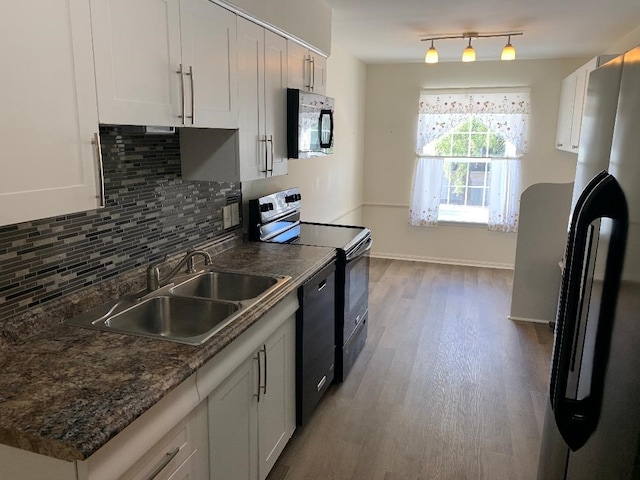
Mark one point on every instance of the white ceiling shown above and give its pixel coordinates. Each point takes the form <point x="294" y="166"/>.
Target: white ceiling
<point x="381" y="31"/>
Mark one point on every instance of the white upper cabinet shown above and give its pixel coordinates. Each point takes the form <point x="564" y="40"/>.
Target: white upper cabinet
<point x="165" y="62"/>
<point x="262" y="84"/>
<point x="49" y="110"/>
<point x="307" y="70"/>
<point x="572" y="96"/>
<point x="137" y="58"/>
<point x="210" y="51"/>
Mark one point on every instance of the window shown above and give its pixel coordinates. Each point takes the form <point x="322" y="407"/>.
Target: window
<point x="468" y="149"/>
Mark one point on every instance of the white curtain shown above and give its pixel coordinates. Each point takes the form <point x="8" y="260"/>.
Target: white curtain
<point x="503" y="111"/>
<point x="504" y="194"/>
<point x="425" y="195"/>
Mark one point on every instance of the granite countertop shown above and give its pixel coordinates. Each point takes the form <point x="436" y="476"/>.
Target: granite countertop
<point x="65" y="391"/>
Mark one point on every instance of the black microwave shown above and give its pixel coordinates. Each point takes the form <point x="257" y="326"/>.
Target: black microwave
<point x="309" y="124"/>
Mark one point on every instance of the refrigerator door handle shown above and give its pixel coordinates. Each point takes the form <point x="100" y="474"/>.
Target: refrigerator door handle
<point x="561" y="310"/>
<point x="577" y="419"/>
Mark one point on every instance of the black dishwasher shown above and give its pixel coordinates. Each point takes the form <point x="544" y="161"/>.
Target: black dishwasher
<point x="315" y="341"/>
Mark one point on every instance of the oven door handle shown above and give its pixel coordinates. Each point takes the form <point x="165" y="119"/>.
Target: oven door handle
<point x="363" y="248"/>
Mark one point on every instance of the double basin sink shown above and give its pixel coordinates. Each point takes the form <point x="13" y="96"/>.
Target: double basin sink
<point x="190" y="310"/>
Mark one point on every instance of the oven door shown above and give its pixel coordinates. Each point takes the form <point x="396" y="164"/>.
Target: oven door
<point x="356" y="288"/>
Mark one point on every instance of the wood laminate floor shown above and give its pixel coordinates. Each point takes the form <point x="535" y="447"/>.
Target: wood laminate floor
<point x="446" y="388"/>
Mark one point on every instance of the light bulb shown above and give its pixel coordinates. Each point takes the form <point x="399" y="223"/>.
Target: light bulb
<point x="469" y="54"/>
<point x="432" y="55"/>
<point x="508" y="52"/>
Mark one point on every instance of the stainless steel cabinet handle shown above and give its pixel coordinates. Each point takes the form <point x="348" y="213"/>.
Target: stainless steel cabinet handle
<point x="180" y="72"/>
<point x="165" y="461"/>
<point x="307" y="67"/>
<point x="264" y="350"/>
<point x="558" y="144"/>
<point x="574" y="146"/>
<point x="96" y="142"/>
<point x="322" y="285"/>
<point x="270" y="170"/>
<point x="266" y="156"/>
<point x="313" y="73"/>
<point x="193" y="96"/>
<point x="259" y="377"/>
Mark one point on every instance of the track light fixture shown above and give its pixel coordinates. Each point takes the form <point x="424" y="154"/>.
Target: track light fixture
<point x="469" y="54"/>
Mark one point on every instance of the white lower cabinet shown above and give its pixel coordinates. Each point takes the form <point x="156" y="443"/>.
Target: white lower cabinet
<point x="182" y="453"/>
<point x="252" y="414"/>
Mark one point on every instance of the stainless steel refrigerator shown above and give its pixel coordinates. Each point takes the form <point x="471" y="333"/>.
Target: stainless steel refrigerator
<point x="592" y="421"/>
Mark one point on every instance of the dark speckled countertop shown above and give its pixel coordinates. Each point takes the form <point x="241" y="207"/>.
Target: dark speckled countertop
<point x="65" y="391"/>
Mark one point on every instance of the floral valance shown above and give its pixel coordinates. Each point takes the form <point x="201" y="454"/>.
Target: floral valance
<point x="505" y="112"/>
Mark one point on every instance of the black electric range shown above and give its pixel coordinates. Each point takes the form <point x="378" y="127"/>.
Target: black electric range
<point x="276" y="218"/>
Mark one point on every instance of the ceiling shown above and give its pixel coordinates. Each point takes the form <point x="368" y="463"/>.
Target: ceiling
<point x="385" y="31"/>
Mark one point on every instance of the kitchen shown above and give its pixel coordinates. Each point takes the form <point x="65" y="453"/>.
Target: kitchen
<point x="344" y="188"/>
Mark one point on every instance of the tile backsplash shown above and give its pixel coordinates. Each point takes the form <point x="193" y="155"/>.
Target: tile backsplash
<point x="150" y="212"/>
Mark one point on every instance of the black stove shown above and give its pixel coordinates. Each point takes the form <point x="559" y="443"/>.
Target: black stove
<point x="276" y="218"/>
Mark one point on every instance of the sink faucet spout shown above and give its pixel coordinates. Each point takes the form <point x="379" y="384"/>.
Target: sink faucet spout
<point x="153" y="272"/>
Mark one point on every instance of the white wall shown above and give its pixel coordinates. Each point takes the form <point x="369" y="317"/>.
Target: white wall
<point x="331" y="186"/>
<point x="308" y="20"/>
<point x="391" y="118"/>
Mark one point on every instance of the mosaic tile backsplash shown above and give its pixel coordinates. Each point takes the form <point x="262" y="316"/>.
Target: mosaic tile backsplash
<point x="150" y="212"/>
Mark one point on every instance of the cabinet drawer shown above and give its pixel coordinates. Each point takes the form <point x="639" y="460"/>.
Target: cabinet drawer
<point x="178" y="450"/>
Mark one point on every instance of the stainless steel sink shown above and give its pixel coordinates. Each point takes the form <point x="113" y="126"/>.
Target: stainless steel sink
<point x="225" y="286"/>
<point x="175" y="318"/>
<point x="190" y="311"/>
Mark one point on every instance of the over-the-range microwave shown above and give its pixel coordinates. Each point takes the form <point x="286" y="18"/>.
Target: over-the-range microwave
<point x="309" y="124"/>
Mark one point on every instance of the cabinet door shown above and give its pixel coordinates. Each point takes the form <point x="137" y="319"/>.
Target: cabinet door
<point x="276" y="409"/>
<point x="565" y="112"/>
<point x="233" y="426"/>
<point x="275" y="79"/>
<point x="253" y="141"/>
<point x="209" y="55"/>
<point x="49" y="111"/>
<point x="582" y="78"/>
<point x="137" y="58"/>
<point x="298" y="66"/>
<point x="319" y="74"/>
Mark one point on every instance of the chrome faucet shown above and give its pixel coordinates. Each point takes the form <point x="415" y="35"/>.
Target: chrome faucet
<point x="153" y="272"/>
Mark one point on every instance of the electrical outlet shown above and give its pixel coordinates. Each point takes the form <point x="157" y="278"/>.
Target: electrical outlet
<point x="235" y="214"/>
<point x="226" y="217"/>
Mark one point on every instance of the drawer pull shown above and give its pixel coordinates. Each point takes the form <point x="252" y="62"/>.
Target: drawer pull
<point x="165" y="461"/>
<point x="322" y="382"/>
<point x="322" y="285"/>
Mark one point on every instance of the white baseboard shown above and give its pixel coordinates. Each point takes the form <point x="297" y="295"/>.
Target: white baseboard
<point x="529" y="320"/>
<point x="444" y="261"/>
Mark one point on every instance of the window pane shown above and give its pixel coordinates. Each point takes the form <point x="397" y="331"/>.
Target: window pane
<point x="458" y="174"/>
<point x="478" y="126"/>
<point x="474" y="196"/>
<point x="456" y="197"/>
<point x="460" y="145"/>
<point x="478" y="145"/>
<point x="496" y="146"/>
<point x="443" y="146"/>
<point x="476" y="173"/>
